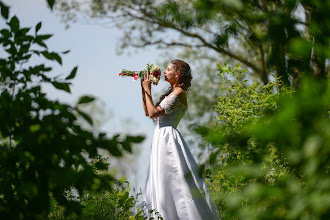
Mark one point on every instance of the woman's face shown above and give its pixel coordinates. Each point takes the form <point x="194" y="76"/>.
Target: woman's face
<point x="170" y="73"/>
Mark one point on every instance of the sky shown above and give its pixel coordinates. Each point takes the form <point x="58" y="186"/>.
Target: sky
<point x="93" y="49"/>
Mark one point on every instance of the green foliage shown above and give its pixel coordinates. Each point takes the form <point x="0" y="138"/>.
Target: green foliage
<point x="241" y="102"/>
<point x="272" y="150"/>
<point x="114" y="205"/>
<point x="44" y="151"/>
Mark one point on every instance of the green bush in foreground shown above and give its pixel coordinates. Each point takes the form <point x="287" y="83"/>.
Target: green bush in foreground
<point x="117" y="204"/>
<point x="44" y="152"/>
<point x="272" y="151"/>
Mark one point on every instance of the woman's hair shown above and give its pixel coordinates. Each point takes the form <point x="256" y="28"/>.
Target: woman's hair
<point x="184" y="79"/>
<point x="185" y="73"/>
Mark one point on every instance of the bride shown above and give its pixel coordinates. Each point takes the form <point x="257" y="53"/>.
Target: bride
<point x="173" y="186"/>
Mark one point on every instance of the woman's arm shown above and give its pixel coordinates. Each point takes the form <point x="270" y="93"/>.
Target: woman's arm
<point x="144" y="100"/>
<point x="153" y="112"/>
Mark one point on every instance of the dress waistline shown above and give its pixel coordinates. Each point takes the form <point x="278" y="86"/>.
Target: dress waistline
<point x="164" y="124"/>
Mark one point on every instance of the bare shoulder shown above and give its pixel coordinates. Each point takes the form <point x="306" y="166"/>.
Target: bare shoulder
<point x="181" y="94"/>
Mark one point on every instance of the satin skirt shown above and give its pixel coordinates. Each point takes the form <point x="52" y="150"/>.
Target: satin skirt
<point x="174" y="187"/>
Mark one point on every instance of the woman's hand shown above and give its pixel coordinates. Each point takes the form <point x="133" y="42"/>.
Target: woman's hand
<point x="147" y="83"/>
<point x="141" y="80"/>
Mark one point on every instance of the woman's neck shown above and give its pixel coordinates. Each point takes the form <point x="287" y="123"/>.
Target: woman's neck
<point x="175" y="85"/>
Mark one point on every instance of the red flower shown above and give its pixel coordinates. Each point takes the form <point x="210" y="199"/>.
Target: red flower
<point x="157" y="73"/>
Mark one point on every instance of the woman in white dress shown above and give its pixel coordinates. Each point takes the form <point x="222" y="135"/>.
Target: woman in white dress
<point x="174" y="187"/>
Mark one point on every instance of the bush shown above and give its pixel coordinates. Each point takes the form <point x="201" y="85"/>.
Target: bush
<point x="44" y="151"/>
<point x="271" y="150"/>
<point x="114" y="205"/>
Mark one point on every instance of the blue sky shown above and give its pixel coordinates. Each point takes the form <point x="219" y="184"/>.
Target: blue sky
<point x="93" y="50"/>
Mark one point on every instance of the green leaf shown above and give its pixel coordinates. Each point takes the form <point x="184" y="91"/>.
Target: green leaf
<point x="127" y="146"/>
<point x="52" y="56"/>
<point x="14" y="24"/>
<point x="38" y="26"/>
<point x="42" y="44"/>
<point x="300" y="47"/>
<point x="45" y="36"/>
<point x="57" y="58"/>
<point x="114" y="150"/>
<point x="135" y="139"/>
<point x="72" y="74"/>
<point x="86" y="117"/>
<point x="62" y="86"/>
<point x="4" y="10"/>
<point x="48" y="55"/>
<point x="39" y="40"/>
<point x="23" y="31"/>
<point x="34" y="128"/>
<point x="51" y="3"/>
<point x="65" y="52"/>
<point x="85" y="99"/>
<point x="5" y="33"/>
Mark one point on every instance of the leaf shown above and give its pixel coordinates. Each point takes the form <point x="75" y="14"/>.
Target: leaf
<point x="135" y="139"/>
<point x="38" y="26"/>
<point x="34" y="128"/>
<point x="62" y="86"/>
<point x="42" y="44"/>
<point x="114" y="150"/>
<point x="14" y="24"/>
<point x="127" y="146"/>
<point x="48" y="55"/>
<point x="52" y="56"/>
<point x="72" y="74"/>
<point x="5" y="33"/>
<point x="51" y="3"/>
<point x="39" y="40"/>
<point x="45" y="36"/>
<point x="57" y="58"/>
<point x="86" y="117"/>
<point x="23" y="31"/>
<point x="127" y="143"/>
<point x="4" y="10"/>
<point x="65" y="52"/>
<point x="85" y="99"/>
<point x="27" y="57"/>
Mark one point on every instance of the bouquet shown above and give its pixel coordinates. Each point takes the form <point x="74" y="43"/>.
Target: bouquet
<point x="154" y="72"/>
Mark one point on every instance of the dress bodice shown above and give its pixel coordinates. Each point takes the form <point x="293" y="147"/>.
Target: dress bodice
<point x="174" y="111"/>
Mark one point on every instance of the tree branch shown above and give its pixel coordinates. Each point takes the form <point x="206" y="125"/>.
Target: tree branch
<point x="164" y="24"/>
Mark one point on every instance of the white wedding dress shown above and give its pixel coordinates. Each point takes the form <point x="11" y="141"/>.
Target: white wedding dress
<point x="173" y="186"/>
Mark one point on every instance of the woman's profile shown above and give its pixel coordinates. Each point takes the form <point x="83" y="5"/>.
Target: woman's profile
<point x="174" y="187"/>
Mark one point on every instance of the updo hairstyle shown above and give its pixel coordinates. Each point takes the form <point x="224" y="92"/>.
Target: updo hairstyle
<point x="185" y="73"/>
